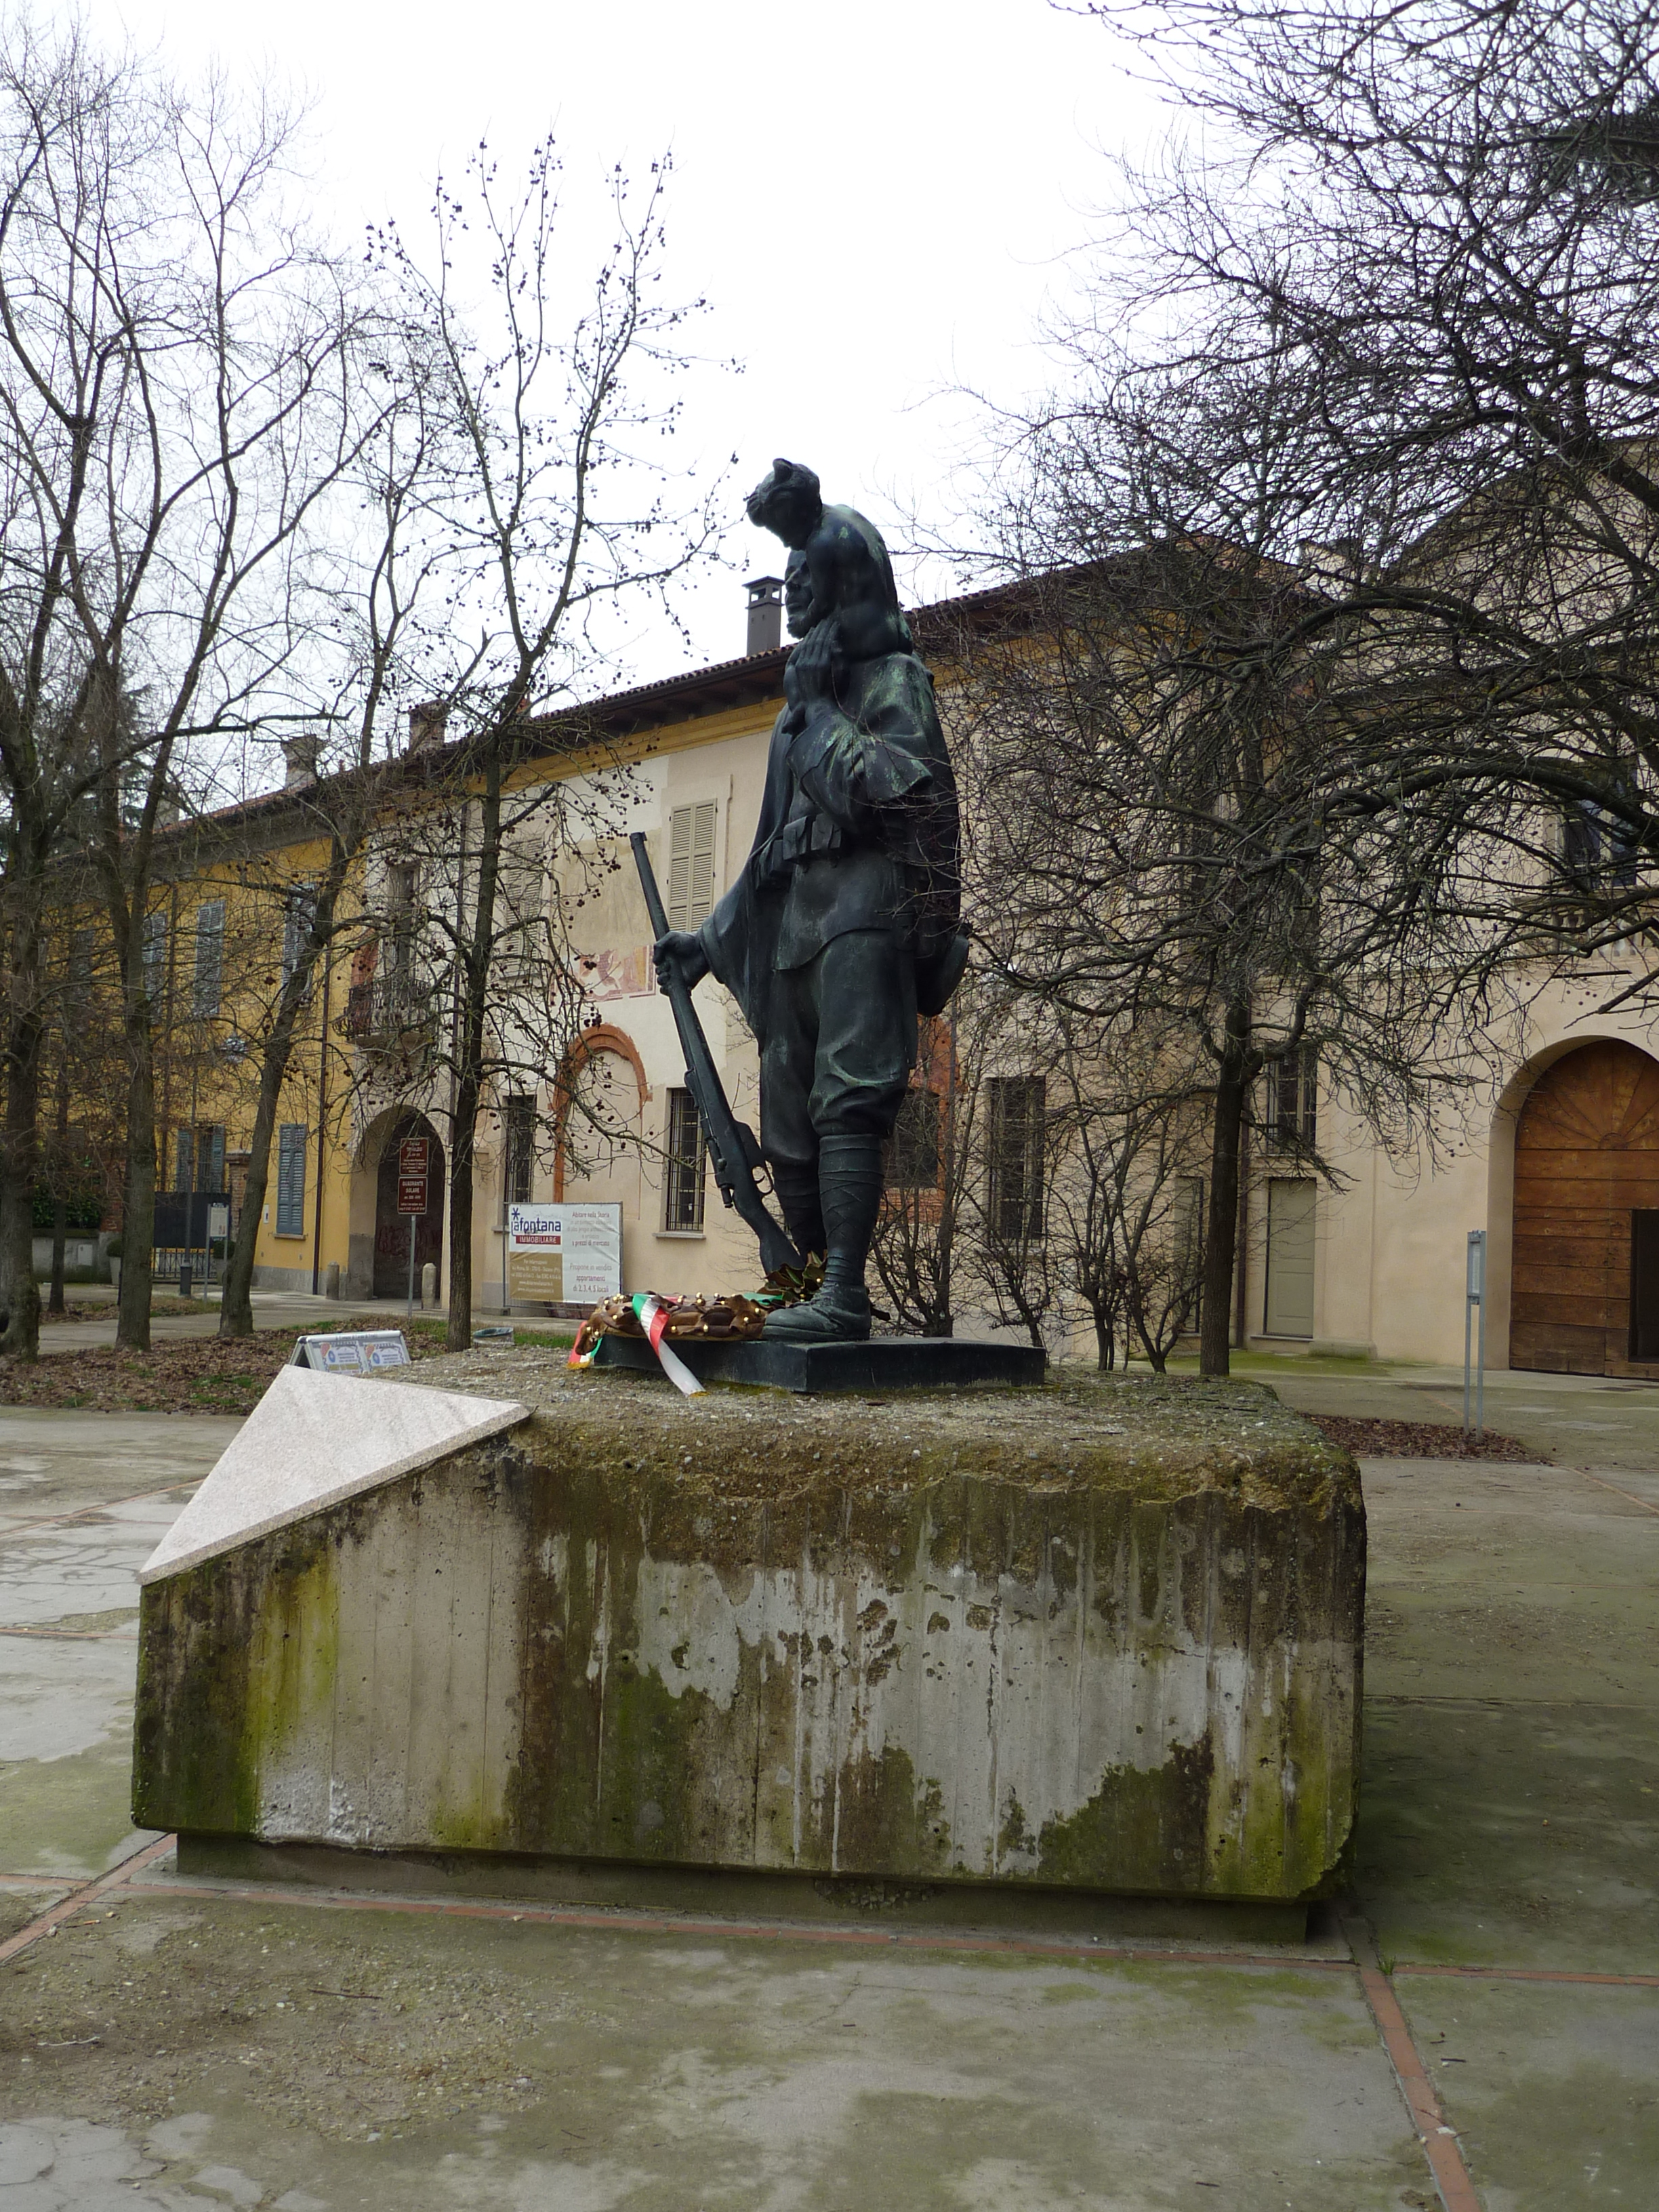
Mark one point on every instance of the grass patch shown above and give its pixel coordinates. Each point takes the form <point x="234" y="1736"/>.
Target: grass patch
<point x="206" y="1374"/>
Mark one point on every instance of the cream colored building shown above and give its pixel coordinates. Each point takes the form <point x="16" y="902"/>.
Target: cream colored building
<point x="1374" y="1265"/>
<point x="1557" y="1160"/>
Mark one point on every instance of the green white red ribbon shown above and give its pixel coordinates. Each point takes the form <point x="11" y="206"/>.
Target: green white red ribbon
<point x="652" y="1314"/>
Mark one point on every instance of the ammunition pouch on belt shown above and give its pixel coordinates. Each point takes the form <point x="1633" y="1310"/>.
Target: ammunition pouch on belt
<point x="804" y="837"/>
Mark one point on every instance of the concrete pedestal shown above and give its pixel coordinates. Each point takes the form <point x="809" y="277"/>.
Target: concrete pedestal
<point x="1087" y="1636"/>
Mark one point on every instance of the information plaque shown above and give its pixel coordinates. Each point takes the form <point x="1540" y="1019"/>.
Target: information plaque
<point x="564" y="1254"/>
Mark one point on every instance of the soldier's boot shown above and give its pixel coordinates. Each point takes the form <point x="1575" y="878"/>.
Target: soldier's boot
<point x="803" y="1214"/>
<point x="850" y="1189"/>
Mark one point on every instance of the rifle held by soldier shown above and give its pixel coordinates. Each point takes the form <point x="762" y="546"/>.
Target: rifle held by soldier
<point x="732" y="1146"/>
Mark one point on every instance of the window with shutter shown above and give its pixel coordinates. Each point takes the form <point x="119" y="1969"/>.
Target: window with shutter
<point x="298" y="914"/>
<point x="291" y="1179"/>
<point x="154" y="955"/>
<point x="181" y="1161"/>
<point x="210" y="1156"/>
<point x="1292" y="1102"/>
<point x="209" y="956"/>
<point x="520" y="1148"/>
<point x="1017" y="1130"/>
<point x="691" y="865"/>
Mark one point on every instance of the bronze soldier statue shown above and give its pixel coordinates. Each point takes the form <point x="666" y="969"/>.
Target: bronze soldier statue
<point x="844" y="924"/>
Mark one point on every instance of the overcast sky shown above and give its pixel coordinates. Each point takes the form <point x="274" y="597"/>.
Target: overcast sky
<point x="876" y="196"/>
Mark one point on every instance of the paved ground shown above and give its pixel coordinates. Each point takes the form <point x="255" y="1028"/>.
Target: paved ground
<point x="177" y="2044"/>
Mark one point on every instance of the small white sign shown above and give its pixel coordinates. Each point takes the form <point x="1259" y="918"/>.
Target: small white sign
<point x="360" y="1351"/>
<point x="560" y="1254"/>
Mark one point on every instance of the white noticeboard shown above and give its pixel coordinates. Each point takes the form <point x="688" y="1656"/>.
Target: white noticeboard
<point x="564" y="1254"/>
<point x="356" y="1352"/>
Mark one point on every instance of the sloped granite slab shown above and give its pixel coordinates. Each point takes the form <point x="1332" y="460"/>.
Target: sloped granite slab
<point x="312" y="1441"/>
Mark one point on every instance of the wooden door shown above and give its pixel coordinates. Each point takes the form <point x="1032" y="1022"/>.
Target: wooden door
<point x="1291" y="1216"/>
<point x="1586" y="1163"/>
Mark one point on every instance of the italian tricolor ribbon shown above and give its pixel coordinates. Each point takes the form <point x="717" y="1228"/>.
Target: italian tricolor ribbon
<point x="652" y="1314"/>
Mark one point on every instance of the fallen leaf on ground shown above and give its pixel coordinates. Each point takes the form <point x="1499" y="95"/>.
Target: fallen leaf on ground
<point x="1379" y="1439"/>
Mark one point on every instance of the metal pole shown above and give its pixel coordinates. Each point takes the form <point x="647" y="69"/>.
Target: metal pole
<point x="1474" y="1294"/>
<point x="409" y="1314"/>
<point x="1481" y="1359"/>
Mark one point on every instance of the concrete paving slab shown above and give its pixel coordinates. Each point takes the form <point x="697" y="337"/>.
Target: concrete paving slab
<point x="84" y="1498"/>
<point x="21" y="1901"/>
<point x="1552" y="2090"/>
<point x="56" y="1464"/>
<point x="1510" y="1800"/>
<point x="366" y="2058"/>
<point x="1520" y="1835"/>
<point x="1537" y="1582"/>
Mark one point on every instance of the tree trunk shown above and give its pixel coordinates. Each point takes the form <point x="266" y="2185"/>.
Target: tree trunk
<point x="462" y="1133"/>
<point x="469" y="1060"/>
<point x="20" y="1294"/>
<point x="60" y="1204"/>
<point x="236" y="1296"/>
<point x="138" y="1204"/>
<point x="1105" y="1343"/>
<point x="236" y="1299"/>
<point x="1237" y="1068"/>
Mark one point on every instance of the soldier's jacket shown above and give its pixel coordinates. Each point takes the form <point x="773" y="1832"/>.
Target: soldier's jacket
<point x="858" y="830"/>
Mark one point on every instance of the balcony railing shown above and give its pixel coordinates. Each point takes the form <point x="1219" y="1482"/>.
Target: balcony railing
<point x="389" y="1011"/>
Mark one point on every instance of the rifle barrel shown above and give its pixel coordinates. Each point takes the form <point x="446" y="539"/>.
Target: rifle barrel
<point x="726" y="1138"/>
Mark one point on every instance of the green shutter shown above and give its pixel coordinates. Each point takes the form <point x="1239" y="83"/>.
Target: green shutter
<point x="291" y="1180"/>
<point x="209" y="956"/>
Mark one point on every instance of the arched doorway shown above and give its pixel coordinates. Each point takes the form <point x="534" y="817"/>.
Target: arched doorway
<point x="392" y="1228"/>
<point x="1586" y="1199"/>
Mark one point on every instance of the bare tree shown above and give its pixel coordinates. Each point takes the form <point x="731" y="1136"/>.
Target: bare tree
<point x="1329" y="729"/>
<point x="1129" y="1107"/>
<point x="554" y="508"/>
<point x="182" y="388"/>
<point x="1151" y="821"/>
<point x="1447" y="216"/>
<point x="379" y="586"/>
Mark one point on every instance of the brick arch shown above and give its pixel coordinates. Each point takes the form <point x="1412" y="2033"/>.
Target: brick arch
<point x="603" y="1036"/>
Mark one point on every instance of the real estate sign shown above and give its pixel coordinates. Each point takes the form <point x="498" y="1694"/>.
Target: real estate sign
<point x="562" y="1254"/>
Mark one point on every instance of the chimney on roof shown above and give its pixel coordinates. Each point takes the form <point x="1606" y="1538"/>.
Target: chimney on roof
<point x="765" y="613"/>
<point x="300" y="758"/>
<point x="427" y="725"/>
